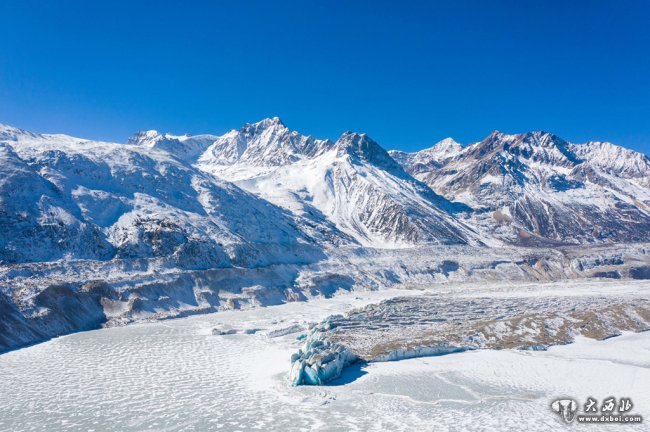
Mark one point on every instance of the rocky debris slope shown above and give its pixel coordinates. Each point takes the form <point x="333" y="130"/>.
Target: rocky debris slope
<point x="44" y="300"/>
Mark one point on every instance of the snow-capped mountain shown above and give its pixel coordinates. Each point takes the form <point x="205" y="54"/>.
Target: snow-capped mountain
<point x="425" y="160"/>
<point x="63" y="197"/>
<point x="265" y="143"/>
<point x="184" y="147"/>
<point x="158" y="194"/>
<point x="615" y="160"/>
<point x="352" y="185"/>
<point x="537" y="187"/>
<point x="96" y="233"/>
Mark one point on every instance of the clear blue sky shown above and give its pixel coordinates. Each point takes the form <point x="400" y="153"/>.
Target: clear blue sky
<point x="407" y="73"/>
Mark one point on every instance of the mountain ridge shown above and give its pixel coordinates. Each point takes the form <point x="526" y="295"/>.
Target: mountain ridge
<point x="99" y="234"/>
<point x="535" y="182"/>
<point x="547" y="188"/>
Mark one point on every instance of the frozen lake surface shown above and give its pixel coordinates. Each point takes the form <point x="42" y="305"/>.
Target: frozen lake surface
<point x="175" y="375"/>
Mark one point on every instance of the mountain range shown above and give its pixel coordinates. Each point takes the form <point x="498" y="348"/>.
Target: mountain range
<point x="165" y="224"/>
<point x="537" y="188"/>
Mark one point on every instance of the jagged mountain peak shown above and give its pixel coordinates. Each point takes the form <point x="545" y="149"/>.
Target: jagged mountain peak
<point x="544" y="139"/>
<point x="265" y="143"/>
<point x="538" y="146"/>
<point x="268" y="122"/>
<point x="262" y="126"/>
<point x="362" y="148"/>
<point x="145" y="137"/>
<point x="356" y="144"/>
<point x="539" y="136"/>
<point x="448" y="143"/>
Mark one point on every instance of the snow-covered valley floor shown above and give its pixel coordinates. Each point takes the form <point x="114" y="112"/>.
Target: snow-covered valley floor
<point x="176" y="375"/>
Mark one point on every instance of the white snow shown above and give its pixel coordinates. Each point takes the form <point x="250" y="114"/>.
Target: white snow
<point x="175" y="375"/>
<point x="371" y="204"/>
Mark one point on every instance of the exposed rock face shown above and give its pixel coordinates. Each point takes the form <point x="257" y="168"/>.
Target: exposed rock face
<point x="537" y="188"/>
<point x="168" y="225"/>
<point x="61" y="197"/>
<point x="265" y="143"/>
<point x="352" y="188"/>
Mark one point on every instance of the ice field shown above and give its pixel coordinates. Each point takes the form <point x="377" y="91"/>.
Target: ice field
<point x="176" y="375"/>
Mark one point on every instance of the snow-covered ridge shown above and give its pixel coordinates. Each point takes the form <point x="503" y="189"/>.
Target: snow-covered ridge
<point x="69" y="198"/>
<point x="265" y="143"/>
<point x="185" y="147"/>
<point x="615" y="160"/>
<point x="95" y="233"/>
<point x="423" y="160"/>
<point x="538" y="188"/>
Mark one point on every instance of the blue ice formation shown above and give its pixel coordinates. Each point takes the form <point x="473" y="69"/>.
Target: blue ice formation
<point x="319" y="360"/>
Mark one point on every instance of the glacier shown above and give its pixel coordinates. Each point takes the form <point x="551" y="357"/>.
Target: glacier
<point x="448" y="321"/>
<point x="175" y="374"/>
<point x="96" y="234"/>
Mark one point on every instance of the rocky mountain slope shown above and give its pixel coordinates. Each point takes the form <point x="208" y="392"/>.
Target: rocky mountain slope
<point x="95" y="233"/>
<point x="537" y="188"/>
<point x="425" y="160"/>
<point x="67" y="198"/>
<point x="352" y="186"/>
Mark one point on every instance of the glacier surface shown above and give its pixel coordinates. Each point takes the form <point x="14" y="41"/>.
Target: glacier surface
<point x="175" y="375"/>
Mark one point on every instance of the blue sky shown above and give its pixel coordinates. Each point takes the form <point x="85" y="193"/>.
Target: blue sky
<point x="407" y="73"/>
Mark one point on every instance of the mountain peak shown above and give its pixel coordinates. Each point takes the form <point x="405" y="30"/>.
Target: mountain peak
<point x="267" y="123"/>
<point x="267" y="142"/>
<point x="544" y="139"/>
<point x="360" y="146"/>
<point x="447" y="143"/>
<point x="443" y="149"/>
<point x="538" y="145"/>
<point x="357" y="144"/>
<point x="11" y="133"/>
<point x="145" y="137"/>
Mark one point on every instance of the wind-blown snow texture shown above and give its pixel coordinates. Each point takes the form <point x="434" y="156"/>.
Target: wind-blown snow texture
<point x="95" y="233"/>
